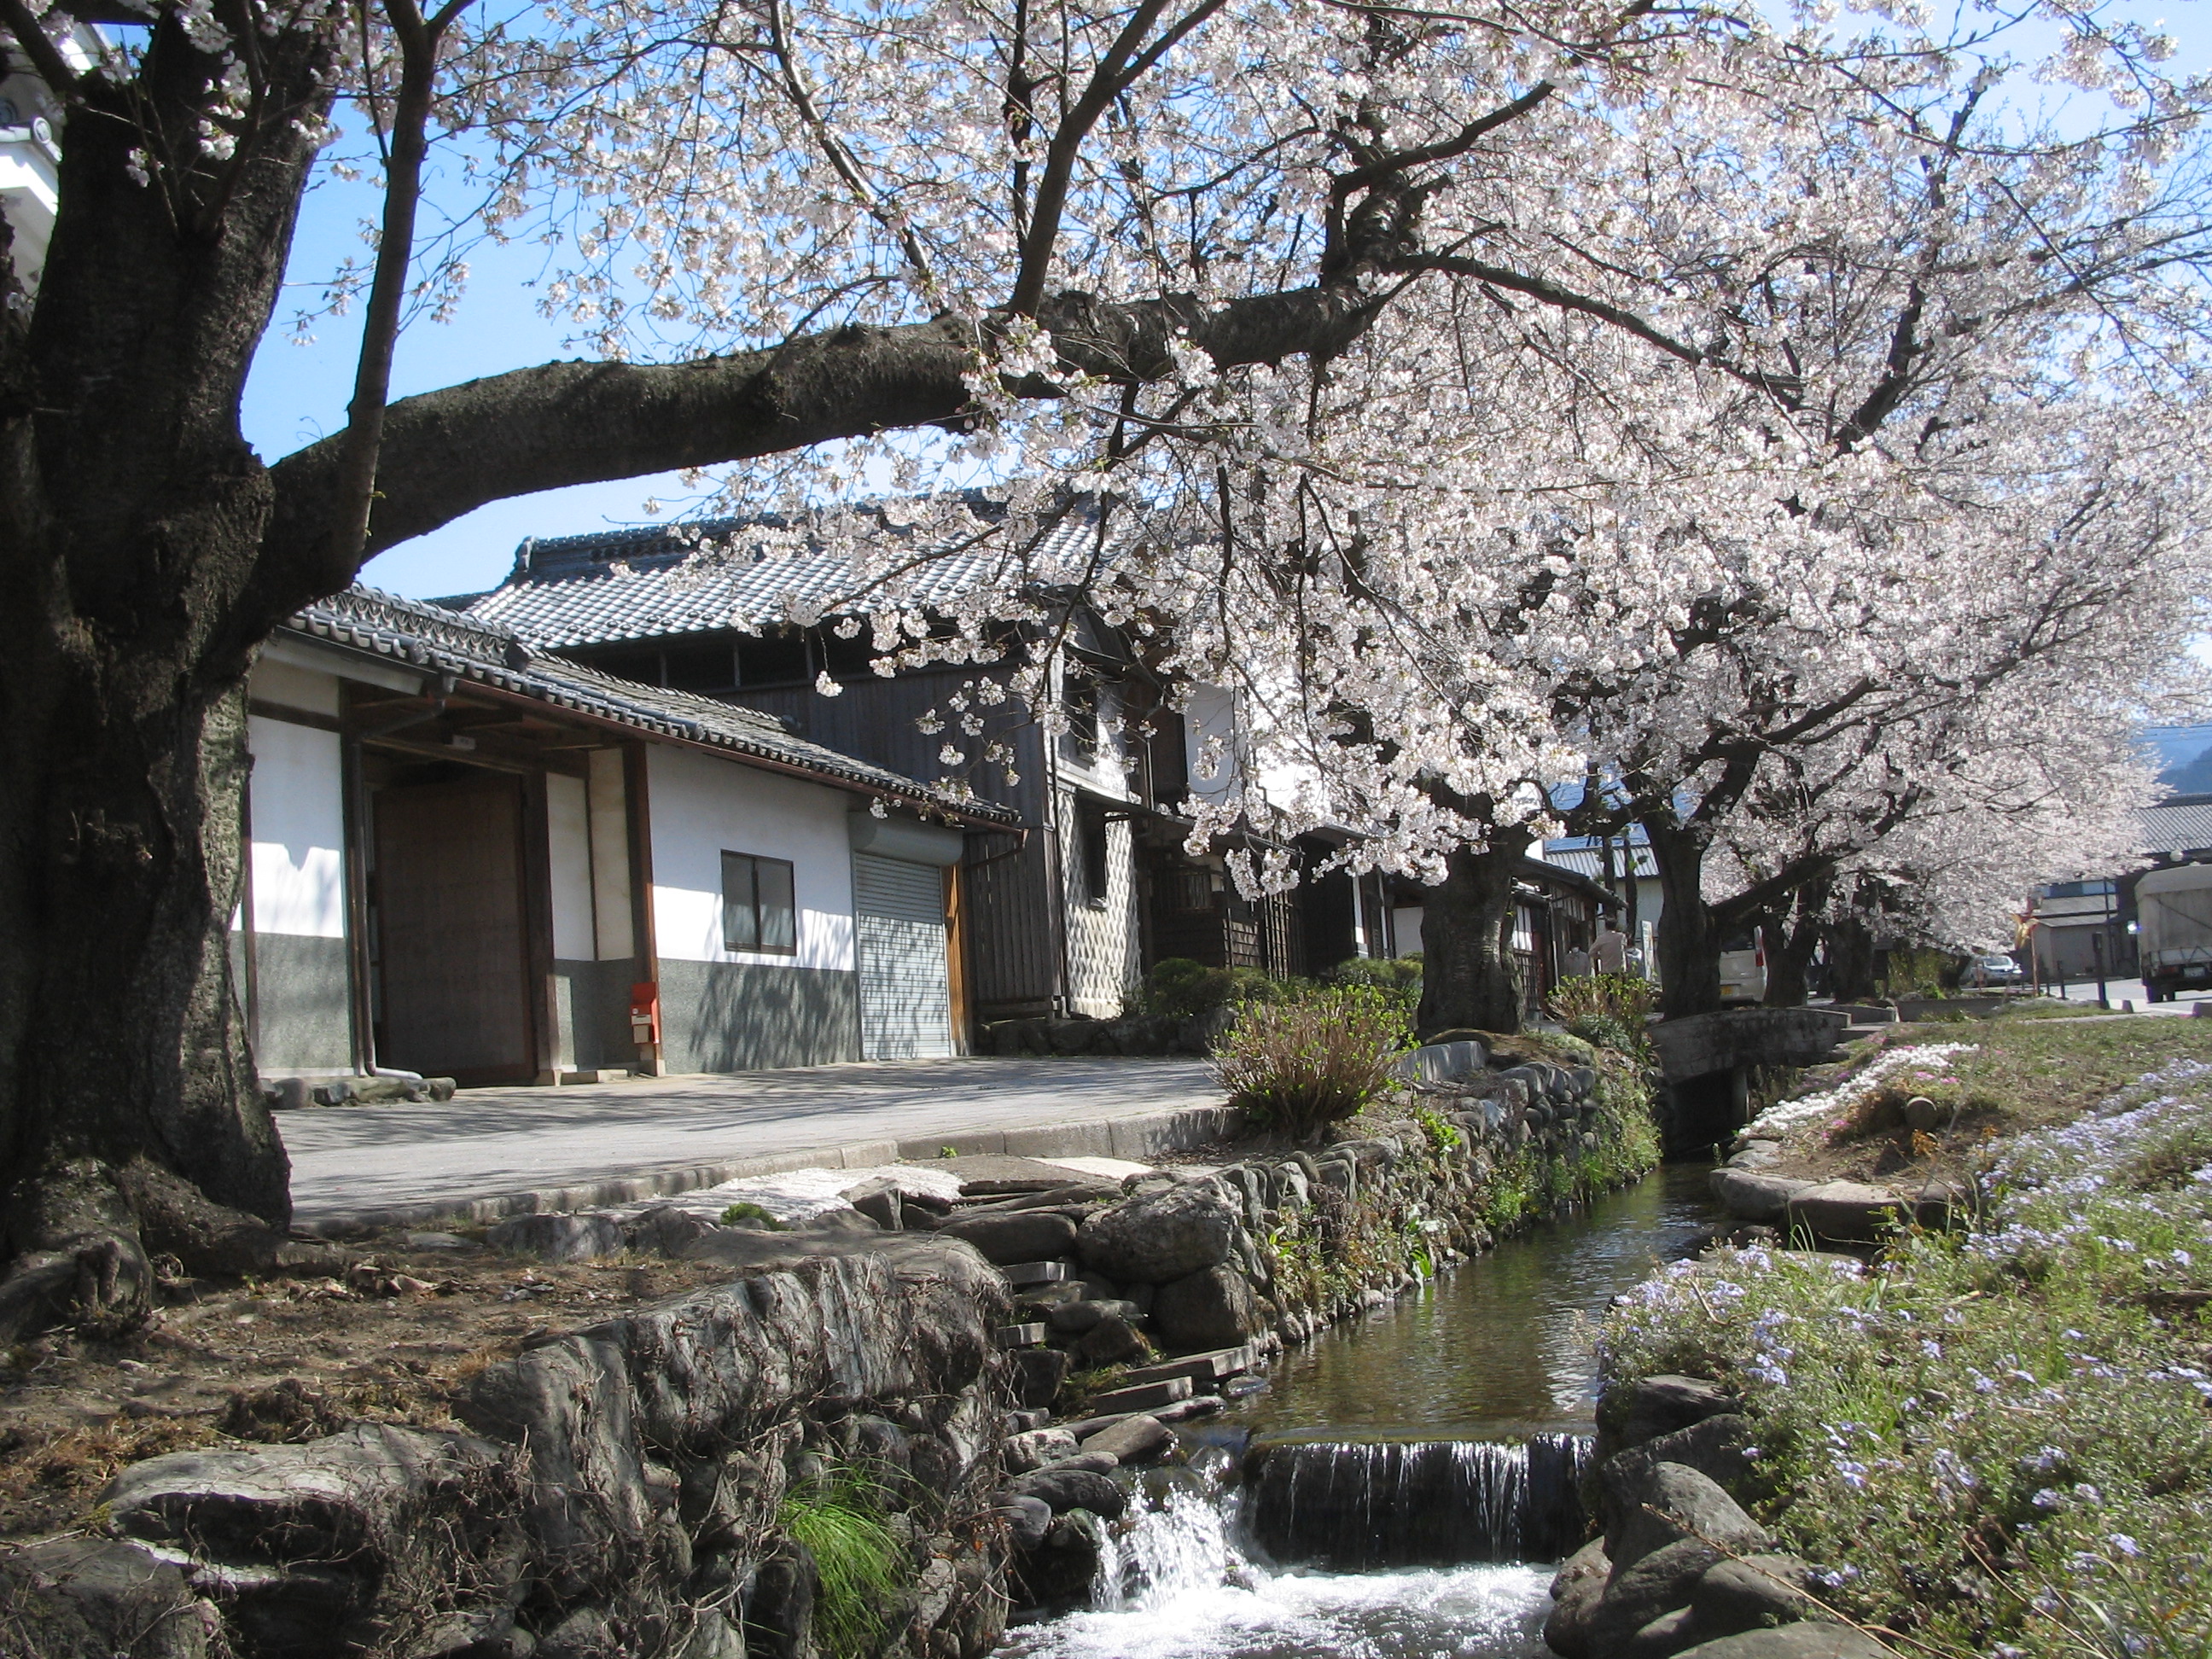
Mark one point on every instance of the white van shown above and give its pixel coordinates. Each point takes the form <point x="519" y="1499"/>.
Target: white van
<point x="1743" y="967"/>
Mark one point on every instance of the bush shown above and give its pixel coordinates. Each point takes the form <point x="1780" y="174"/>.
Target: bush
<point x="1621" y="998"/>
<point x="859" y="1564"/>
<point x="1604" y="1031"/>
<point x="1183" y="989"/>
<point x="1299" y="1066"/>
<point x="1399" y="979"/>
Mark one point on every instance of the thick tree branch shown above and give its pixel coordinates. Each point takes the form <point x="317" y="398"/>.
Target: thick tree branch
<point x="446" y="453"/>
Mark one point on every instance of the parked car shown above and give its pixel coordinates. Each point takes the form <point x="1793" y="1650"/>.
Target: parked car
<point x="1991" y="969"/>
<point x="1743" y="968"/>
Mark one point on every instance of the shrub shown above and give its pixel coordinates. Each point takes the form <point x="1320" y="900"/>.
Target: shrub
<point x="1183" y="989"/>
<point x="1604" y="1031"/>
<point x="1624" y="999"/>
<point x="1399" y="979"/>
<point x="859" y="1564"/>
<point x="1299" y="1066"/>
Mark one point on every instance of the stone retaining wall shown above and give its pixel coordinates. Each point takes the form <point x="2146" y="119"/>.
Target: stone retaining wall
<point x="988" y="1365"/>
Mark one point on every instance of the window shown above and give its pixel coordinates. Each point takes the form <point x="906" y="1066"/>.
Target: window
<point x="757" y="907"/>
<point x="1086" y="862"/>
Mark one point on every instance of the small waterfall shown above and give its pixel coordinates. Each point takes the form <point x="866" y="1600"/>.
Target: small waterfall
<point x="1356" y="1505"/>
<point x="1184" y="1542"/>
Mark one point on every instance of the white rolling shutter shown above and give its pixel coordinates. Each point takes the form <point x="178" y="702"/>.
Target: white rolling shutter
<point x="906" y="999"/>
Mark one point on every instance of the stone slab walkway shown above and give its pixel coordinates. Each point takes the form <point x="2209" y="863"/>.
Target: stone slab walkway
<point x="489" y="1152"/>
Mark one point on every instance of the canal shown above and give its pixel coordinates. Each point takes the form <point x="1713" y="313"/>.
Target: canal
<point x="1430" y="1437"/>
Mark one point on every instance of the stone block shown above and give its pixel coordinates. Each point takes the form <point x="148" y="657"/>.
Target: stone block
<point x="1018" y="1236"/>
<point x="1022" y="1274"/>
<point x="1209" y="1310"/>
<point x="1750" y="1196"/>
<point x="1018" y="1336"/>
<point x="1066" y="1489"/>
<point x="1111" y="1342"/>
<point x="1199" y="1367"/>
<point x="1038" y="1373"/>
<point x="1073" y="1318"/>
<point x="1844" y="1212"/>
<point x="1034" y="1450"/>
<point x="308" y="1544"/>
<point x="1804" y="1641"/>
<point x="1675" y="1503"/>
<point x="1160" y="1236"/>
<point x="559" y="1237"/>
<point x="90" y="1598"/>
<point x="1132" y="1440"/>
<point x="1144" y="1396"/>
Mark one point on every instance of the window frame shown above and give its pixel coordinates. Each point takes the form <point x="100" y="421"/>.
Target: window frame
<point x="753" y="902"/>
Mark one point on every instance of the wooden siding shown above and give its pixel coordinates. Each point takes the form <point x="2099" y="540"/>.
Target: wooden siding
<point x="1012" y="938"/>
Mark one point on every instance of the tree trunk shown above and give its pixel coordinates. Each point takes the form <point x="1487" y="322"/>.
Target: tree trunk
<point x="1793" y="931"/>
<point x="1469" y="979"/>
<point x="132" y="514"/>
<point x="1851" y="960"/>
<point x="1689" y="934"/>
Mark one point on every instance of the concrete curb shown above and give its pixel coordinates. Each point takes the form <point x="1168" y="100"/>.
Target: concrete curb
<point x="1137" y="1137"/>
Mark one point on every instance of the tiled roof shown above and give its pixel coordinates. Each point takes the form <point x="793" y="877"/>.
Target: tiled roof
<point x="488" y="653"/>
<point x="645" y="583"/>
<point x="2180" y="823"/>
<point x="1584" y="860"/>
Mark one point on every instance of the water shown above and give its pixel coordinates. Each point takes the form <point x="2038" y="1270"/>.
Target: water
<point x="1177" y="1585"/>
<point x="1462" y="1401"/>
<point x="1498" y="1348"/>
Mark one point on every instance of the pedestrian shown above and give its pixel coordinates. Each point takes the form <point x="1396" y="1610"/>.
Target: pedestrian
<point x="1612" y="949"/>
<point x="1576" y="961"/>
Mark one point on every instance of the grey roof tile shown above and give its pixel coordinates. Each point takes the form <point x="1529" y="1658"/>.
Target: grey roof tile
<point x="488" y="652"/>
<point x="667" y="580"/>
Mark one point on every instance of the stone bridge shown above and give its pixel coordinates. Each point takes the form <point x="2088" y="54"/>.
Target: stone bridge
<point x="1707" y="1060"/>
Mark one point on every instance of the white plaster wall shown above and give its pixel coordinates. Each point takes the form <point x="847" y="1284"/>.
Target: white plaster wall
<point x="569" y="831"/>
<point x="1406" y="924"/>
<point x="290" y="686"/>
<point x="610" y="855"/>
<point x="297" y="815"/>
<point x="701" y="808"/>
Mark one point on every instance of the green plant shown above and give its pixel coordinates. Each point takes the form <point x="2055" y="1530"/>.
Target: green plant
<point x="1623" y="999"/>
<point x="1604" y="1031"/>
<point x="859" y="1564"/>
<point x="1443" y="1136"/>
<point x="1398" y="978"/>
<point x="1183" y="989"/>
<point x="1299" y="1066"/>
<point x="749" y="1215"/>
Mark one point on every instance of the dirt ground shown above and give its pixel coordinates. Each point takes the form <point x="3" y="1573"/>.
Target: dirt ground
<point x="391" y="1341"/>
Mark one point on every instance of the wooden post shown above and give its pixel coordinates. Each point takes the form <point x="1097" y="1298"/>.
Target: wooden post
<point x="955" y="962"/>
<point x="640" y="894"/>
<point x="537" y="930"/>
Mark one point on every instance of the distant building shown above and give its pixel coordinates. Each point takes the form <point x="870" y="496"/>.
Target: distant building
<point x="31" y="154"/>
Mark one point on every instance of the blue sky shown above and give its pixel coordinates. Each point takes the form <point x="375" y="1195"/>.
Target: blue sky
<point x="298" y="393"/>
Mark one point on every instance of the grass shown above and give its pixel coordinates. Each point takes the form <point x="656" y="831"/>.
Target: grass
<point x="1997" y="1442"/>
<point x="860" y="1567"/>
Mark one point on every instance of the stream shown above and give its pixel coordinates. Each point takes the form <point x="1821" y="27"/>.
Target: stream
<point x="1412" y="1462"/>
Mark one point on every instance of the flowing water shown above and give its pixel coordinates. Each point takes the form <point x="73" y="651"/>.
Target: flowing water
<point x="1402" y="1485"/>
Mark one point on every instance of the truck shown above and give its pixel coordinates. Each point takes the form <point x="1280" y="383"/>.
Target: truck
<point x="2173" y="908"/>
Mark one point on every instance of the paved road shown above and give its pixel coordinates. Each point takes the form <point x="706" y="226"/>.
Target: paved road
<point x="2118" y="991"/>
<point x="485" y="1142"/>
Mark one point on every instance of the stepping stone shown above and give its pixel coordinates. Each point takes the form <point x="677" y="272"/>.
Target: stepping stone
<point x="1144" y="1396"/>
<point x="1018" y="1274"/>
<point x="1018" y="1336"/>
<point x="1199" y="1367"/>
